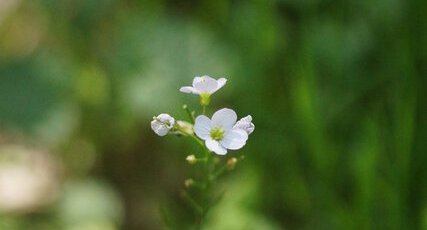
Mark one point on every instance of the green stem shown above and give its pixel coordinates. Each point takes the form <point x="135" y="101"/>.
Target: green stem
<point x="193" y="203"/>
<point x="197" y="140"/>
<point x="200" y="142"/>
<point x="189" y="113"/>
<point x="218" y="172"/>
<point x="209" y="176"/>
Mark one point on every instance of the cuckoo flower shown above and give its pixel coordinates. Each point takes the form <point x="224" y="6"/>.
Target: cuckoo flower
<point x="162" y="124"/>
<point x="204" y="86"/>
<point x="245" y="124"/>
<point x="219" y="133"/>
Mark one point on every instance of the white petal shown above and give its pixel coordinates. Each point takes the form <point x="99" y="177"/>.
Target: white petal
<point x="214" y="146"/>
<point x="197" y="80"/>
<point x="188" y="89"/>
<point x="202" y="127"/>
<point x="166" y="119"/>
<point x="224" y="118"/>
<point x="162" y="131"/>
<point x="250" y="129"/>
<point x="234" y="139"/>
<point x="221" y="82"/>
<point x="159" y="128"/>
<point x="205" y="84"/>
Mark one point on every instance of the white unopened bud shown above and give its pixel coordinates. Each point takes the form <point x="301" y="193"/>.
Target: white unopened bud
<point x="245" y="124"/>
<point x="162" y="124"/>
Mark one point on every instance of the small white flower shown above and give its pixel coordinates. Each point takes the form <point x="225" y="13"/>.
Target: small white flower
<point x="162" y="124"/>
<point x="218" y="133"/>
<point x="204" y="85"/>
<point x="245" y="124"/>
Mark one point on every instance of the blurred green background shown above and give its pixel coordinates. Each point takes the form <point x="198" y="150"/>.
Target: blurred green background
<point x="336" y="90"/>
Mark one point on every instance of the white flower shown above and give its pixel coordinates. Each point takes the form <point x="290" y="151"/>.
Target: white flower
<point x="162" y="124"/>
<point x="218" y="133"/>
<point x="204" y="85"/>
<point x="245" y="124"/>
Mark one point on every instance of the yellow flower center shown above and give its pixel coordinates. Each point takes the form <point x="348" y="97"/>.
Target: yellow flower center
<point x="217" y="134"/>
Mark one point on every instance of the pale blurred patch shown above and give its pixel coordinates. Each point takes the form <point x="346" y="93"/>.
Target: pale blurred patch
<point x="90" y="205"/>
<point x="6" y="7"/>
<point x="92" y="86"/>
<point x="234" y="212"/>
<point x="94" y="226"/>
<point x="22" y="33"/>
<point x="28" y="179"/>
<point x="58" y="126"/>
<point x="168" y="53"/>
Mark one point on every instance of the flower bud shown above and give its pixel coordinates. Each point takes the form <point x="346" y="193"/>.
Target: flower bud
<point x="191" y="159"/>
<point x="162" y="124"/>
<point x="231" y="163"/>
<point x="185" y="127"/>
<point x="188" y="182"/>
<point x="245" y="124"/>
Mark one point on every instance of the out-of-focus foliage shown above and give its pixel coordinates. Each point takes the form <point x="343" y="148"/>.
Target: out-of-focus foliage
<point x="336" y="90"/>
